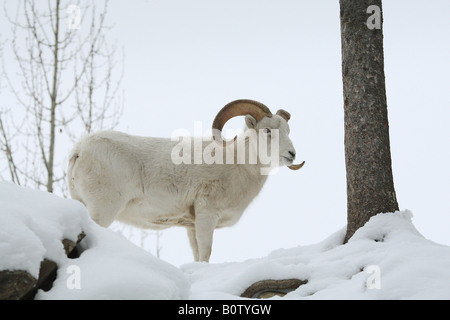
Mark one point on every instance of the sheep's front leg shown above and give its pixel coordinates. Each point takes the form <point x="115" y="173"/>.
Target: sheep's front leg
<point x="193" y="242"/>
<point x="205" y="223"/>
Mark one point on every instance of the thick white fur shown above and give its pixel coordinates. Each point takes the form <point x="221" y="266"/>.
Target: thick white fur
<point x="133" y="179"/>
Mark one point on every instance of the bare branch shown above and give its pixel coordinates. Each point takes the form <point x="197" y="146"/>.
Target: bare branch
<point x="61" y="78"/>
<point x="5" y="144"/>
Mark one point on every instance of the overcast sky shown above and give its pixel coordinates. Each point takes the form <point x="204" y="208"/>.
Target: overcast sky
<point x="184" y="60"/>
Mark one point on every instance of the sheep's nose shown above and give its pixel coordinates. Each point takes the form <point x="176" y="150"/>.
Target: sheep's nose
<point x="292" y="153"/>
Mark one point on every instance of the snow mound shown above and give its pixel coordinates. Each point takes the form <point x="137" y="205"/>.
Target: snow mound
<point x="32" y="227"/>
<point x="113" y="268"/>
<point x="386" y="259"/>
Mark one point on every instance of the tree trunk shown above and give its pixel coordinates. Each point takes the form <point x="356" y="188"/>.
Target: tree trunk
<point x="53" y="96"/>
<point x="370" y="187"/>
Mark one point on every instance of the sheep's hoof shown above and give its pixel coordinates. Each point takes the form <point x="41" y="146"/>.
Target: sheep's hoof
<point x="268" y="288"/>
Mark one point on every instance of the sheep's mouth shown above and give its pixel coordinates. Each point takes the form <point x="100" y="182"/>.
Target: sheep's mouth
<point x="290" y="160"/>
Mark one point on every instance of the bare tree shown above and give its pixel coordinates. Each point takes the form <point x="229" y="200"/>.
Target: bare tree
<point x="145" y="234"/>
<point x="6" y="149"/>
<point x="98" y="100"/>
<point x="141" y="237"/>
<point x="5" y="138"/>
<point x="64" y="80"/>
<point x="370" y="187"/>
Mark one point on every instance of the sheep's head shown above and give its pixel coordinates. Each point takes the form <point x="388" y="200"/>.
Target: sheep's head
<point x="260" y="118"/>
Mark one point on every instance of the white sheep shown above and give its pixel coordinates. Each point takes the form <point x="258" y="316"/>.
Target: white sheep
<point x="135" y="180"/>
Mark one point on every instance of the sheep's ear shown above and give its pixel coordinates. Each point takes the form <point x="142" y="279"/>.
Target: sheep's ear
<point x="250" y="121"/>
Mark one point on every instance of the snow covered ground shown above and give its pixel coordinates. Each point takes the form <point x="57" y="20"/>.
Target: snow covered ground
<point x="386" y="259"/>
<point x="32" y="225"/>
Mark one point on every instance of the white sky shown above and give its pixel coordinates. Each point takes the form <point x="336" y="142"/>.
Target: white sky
<point x="184" y="60"/>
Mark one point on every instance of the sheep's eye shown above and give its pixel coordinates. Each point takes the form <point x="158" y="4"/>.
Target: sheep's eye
<point x="266" y="131"/>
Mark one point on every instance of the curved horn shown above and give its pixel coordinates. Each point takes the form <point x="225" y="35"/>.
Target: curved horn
<point x="238" y="108"/>
<point x="296" y="166"/>
<point x="284" y="114"/>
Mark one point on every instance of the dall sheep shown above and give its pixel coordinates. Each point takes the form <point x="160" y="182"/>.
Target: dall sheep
<point x="135" y="180"/>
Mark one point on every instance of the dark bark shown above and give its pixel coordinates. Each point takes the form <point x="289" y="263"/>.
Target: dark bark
<point x="370" y="187"/>
<point x="270" y="288"/>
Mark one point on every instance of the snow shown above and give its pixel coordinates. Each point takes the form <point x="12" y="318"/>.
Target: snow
<point x="112" y="268"/>
<point x="409" y="266"/>
<point x="32" y="226"/>
<point x="386" y="259"/>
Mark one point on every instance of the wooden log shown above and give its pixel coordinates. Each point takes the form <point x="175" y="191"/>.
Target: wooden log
<point x="270" y="288"/>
